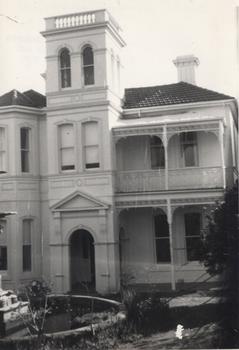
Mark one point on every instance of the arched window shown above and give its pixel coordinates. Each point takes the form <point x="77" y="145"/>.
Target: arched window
<point x="88" y="66"/>
<point x="65" y="68"/>
<point x="157" y="153"/>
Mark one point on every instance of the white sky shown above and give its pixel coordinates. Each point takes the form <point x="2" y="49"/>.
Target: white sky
<point x="156" y="31"/>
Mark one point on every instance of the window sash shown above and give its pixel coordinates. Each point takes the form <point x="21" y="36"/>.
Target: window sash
<point x="192" y="223"/>
<point x="91" y="145"/>
<point x="66" y="147"/>
<point x="157" y="153"/>
<point x="25" y="149"/>
<point x="27" y="257"/>
<point x="65" y="68"/>
<point x="162" y="242"/>
<point x="189" y="149"/>
<point x="89" y="75"/>
<point x="3" y="257"/>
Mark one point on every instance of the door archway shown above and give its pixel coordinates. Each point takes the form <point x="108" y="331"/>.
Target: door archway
<point x="82" y="261"/>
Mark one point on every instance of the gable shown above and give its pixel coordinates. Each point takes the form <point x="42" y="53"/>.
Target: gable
<point x="79" y="201"/>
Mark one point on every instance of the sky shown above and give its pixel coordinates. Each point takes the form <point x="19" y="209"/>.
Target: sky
<point x="155" y="31"/>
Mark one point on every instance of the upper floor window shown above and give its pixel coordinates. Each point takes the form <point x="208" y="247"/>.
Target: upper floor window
<point x="27" y="245"/>
<point x="25" y="149"/>
<point x="65" y="68"/>
<point x="88" y="66"/>
<point x="192" y="222"/>
<point x="157" y="153"/>
<point x="67" y="147"/>
<point x="91" y="145"/>
<point x="162" y="238"/>
<point x="3" y="153"/>
<point x="3" y="245"/>
<point x="188" y="142"/>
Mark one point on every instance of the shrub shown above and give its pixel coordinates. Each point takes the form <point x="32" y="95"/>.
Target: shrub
<point x="146" y="313"/>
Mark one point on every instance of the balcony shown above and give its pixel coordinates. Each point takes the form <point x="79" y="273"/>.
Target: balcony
<point x="155" y="180"/>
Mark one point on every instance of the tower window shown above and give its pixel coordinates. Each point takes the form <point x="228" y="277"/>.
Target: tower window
<point x="88" y="66"/>
<point x="67" y="148"/>
<point x="65" y="68"/>
<point x="91" y="145"/>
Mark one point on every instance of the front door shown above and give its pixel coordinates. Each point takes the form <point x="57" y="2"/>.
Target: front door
<point x="82" y="261"/>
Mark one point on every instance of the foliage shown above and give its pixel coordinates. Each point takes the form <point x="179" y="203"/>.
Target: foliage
<point x="146" y="313"/>
<point x="36" y="293"/>
<point x="220" y="254"/>
<point x="220" y="249"/>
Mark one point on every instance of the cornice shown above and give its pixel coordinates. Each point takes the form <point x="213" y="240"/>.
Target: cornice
<point x="22" y="109"/>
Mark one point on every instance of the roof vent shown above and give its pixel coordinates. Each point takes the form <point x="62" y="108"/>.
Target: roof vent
<point x="186" y="68"/>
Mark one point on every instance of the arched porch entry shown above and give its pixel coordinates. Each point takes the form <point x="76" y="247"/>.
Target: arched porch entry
<point x="82" y="261"/>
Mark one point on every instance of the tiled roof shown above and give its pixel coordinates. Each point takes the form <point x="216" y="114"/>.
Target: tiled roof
<point x="171" y="94"/>
<point x="28" y="98"/>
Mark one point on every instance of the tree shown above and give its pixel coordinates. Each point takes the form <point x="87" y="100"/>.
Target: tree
<point x="220" y="255"/>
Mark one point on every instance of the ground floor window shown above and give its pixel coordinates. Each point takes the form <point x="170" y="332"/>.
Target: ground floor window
<point x="3" y="258"/>
<point x="26" y="245"/>
<point x="192" y="223"/>
<point x="162" y="244"/>
<point x="3" y="245"/>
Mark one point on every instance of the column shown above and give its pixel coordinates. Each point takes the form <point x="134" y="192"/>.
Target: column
<point x="165" y="143"/>
<point x="56" y="254"/>
<point x="221" y="137"/>
<point x="170" y="217"/>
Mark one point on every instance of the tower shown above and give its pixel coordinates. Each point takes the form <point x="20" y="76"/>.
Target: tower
<point x="83" y="62"/>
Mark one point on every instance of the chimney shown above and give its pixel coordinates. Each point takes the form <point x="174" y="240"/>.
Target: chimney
<point x="186" y="68"/>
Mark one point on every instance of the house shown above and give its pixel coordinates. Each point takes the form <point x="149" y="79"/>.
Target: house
<point x="105" y="186"/>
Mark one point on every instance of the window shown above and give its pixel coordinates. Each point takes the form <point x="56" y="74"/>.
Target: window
<point x="2" y="150"/>
<point x="188" y="142"/>
<point x="26" y="245"/>
<point x="192" y="223"/>
<point x="157" y="153"/>
<point x="3" y="245"/>
<point x="91" y="145"/>
<point x="162" y="238"/>
<point x="65" y="68"/>
<point x="25" y="149"/>
<point x="88" y="66"/>
<point x="67" y="150"/>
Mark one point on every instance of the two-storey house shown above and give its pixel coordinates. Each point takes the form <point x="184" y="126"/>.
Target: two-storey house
<point x="107" y="185"/>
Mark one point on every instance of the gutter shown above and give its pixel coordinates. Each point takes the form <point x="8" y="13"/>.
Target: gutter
<point x="144" y="110"/>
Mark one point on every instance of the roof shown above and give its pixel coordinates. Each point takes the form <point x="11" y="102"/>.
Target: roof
<point x="170" y="94"/>
<point x="30" y="98"/>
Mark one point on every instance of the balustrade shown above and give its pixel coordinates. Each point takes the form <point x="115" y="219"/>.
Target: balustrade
<point x="184" y="178"/>
<point x="75" y="20"/>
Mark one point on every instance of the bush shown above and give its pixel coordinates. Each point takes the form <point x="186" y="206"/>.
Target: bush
<point x="146" y="313"/>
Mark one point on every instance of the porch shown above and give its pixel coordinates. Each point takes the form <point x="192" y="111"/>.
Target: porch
<point x="154" y="251"/>
<point x="170" y="157"/>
